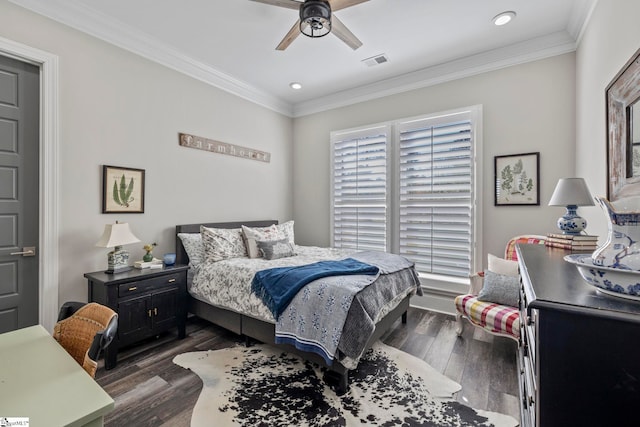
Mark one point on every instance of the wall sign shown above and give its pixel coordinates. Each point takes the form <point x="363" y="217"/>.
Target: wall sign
<point x="201" y="143"/>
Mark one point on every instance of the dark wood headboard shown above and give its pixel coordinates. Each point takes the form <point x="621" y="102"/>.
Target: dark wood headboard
<point x="181" y="254"/>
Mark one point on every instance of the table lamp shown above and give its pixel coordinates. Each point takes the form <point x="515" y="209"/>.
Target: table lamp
<point x="115" y="236"/>
<point x="571" y="192"/>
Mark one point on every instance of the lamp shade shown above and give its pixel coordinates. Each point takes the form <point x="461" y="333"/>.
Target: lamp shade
<point x="117" y="234"/>
<point x="571" y="192"/>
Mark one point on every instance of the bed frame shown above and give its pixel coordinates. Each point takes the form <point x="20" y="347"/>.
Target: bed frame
<point x="251" y="328"/>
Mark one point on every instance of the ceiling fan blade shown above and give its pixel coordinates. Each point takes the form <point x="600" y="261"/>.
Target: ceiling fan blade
<point x="343" y="33"/>
<point x="290" y="37"/>
<point x="343" y="4"/>
<point x="289" y="4"/>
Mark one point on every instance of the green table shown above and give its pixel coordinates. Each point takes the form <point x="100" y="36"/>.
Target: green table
<point x="40" y="381"/>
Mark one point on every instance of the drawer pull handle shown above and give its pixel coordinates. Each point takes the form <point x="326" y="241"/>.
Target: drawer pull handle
<point x="172" y="280"/>
<point x="133" y="288"/>
<point x="149" y="313"/>
<point x="155" y="311"/>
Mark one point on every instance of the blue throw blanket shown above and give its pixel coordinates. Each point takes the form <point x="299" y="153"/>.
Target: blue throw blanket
<point x="277" y="286"/>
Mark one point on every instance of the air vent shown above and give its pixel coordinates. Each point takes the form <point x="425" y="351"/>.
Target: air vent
<point x="376" y="60"/>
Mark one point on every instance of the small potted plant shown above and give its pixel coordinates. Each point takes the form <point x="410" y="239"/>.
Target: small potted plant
<point x="149" y="248"/>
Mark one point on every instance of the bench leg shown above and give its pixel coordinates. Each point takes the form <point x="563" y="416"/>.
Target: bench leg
<point x="459" y="324"/>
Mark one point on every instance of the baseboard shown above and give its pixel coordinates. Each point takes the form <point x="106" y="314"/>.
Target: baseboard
<point x="435" y="300"/>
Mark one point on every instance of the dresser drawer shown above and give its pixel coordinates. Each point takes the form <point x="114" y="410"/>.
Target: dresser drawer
<point x="526" y="418"/>
<point x="530" y="330"/>
<point x="530" y="391"/>
<point x="147" y="285"/>
<point x="528" y="325"/>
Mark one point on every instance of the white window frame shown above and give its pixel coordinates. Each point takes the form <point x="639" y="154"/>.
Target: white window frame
<point x="474" y="114"/>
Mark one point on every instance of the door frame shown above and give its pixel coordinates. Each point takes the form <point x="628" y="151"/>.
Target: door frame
<point x="48" y="184"/>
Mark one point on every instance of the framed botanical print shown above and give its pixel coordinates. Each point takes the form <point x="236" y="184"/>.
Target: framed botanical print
<point x="516" y="179"/>
<point x="122" y="190"/>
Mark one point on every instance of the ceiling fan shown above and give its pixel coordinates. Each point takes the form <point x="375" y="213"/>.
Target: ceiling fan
<point x="317" y="20"/>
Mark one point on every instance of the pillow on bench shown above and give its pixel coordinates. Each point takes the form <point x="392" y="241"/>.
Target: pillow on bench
<point x="499" y="289"/>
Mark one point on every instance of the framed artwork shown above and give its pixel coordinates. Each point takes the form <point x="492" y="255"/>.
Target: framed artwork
<point x="623" y="131"/>
<point x="517" y="179"/>
<point x="122" y="190"/>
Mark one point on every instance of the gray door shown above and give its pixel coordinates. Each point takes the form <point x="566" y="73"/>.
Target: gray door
<point x="19" y="190"/>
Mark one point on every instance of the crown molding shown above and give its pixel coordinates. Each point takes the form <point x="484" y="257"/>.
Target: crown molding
<point x="78" y="16"/>
<point x="519" y="53"/>
<point x="580" y="16"/>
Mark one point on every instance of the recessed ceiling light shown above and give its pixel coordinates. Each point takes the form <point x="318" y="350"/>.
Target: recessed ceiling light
<point x="504" y="18"/>
<point x="295" y="85"/>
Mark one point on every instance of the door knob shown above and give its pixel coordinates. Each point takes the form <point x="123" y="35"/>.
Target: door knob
<point x="26" y="251"/>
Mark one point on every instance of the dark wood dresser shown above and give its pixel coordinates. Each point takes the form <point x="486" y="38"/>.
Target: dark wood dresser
<point x="147" y="301"/>
<point x="579" y="357"/>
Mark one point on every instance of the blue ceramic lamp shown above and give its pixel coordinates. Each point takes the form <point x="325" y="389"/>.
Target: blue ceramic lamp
<point x="571" y="193"/>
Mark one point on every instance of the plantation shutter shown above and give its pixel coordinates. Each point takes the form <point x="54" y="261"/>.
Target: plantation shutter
<point x="360" y="189"/>
<point x="435" y="195"/>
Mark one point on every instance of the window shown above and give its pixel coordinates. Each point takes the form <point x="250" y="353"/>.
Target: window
<point x="409" y="187"/>
<point x="360" y="189"/>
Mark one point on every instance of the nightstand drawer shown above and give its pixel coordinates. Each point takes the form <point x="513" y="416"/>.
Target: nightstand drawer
<point x="142" y="286"/>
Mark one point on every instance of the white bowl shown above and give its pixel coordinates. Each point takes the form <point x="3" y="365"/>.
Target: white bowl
<point x="612" y="281"/>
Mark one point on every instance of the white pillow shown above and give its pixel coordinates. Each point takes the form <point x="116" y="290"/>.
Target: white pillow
<point x="286" y="230"/>
<point x="192" y="243"/>
<point x="222" y="243"/>
<point x="503" y="266"/>
<point x="254" y="234"/>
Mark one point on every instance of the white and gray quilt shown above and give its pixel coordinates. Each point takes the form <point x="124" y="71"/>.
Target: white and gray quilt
<point x="338" y="322"/>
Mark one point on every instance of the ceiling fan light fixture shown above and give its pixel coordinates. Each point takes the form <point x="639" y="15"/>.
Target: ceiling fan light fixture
<point x="315" y="18"/>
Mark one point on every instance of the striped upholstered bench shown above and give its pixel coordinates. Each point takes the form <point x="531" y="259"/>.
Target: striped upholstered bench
<point x="494" y="318"/>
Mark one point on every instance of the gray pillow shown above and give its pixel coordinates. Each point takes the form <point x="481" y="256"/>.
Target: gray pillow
<point x="274" y="249"/>
<point x="500" y="289"/>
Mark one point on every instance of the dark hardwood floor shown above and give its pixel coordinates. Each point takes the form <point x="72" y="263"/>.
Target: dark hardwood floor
<point x="149" y="390"/>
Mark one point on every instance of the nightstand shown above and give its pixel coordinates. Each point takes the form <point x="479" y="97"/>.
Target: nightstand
<point x="148" y="301"/>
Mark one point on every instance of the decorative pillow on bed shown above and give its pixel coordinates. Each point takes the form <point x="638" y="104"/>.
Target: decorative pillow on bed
<point x="274" y="249"/>
<point x="286" y="230"/>
<point x="252" y="235"/>
<point x="499" y="289"/>
<point x="222" y="243"/>
<point x="192" y="243"/>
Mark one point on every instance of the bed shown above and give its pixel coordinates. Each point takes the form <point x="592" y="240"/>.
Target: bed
<point x="250" y="320"/>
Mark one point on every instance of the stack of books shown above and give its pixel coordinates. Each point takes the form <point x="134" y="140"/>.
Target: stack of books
<point x="577" y="242"/>
<point x="155" y="263"/>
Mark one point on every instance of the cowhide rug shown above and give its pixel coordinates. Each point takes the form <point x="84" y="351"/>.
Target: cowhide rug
<point x="262" y="386"/>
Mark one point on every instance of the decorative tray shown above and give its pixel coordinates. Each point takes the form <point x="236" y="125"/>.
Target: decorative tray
<point x="611" y="281"/>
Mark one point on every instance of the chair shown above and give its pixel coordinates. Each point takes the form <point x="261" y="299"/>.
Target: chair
<point x="497" y="319"/>
<point x="84" y="330"/>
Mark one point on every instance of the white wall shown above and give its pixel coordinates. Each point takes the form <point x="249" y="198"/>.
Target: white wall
<point x="526" y="108"/>
<point x="610" y="39"/>
<point x="117" y="108"/>
<point x="120" y="109"/>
